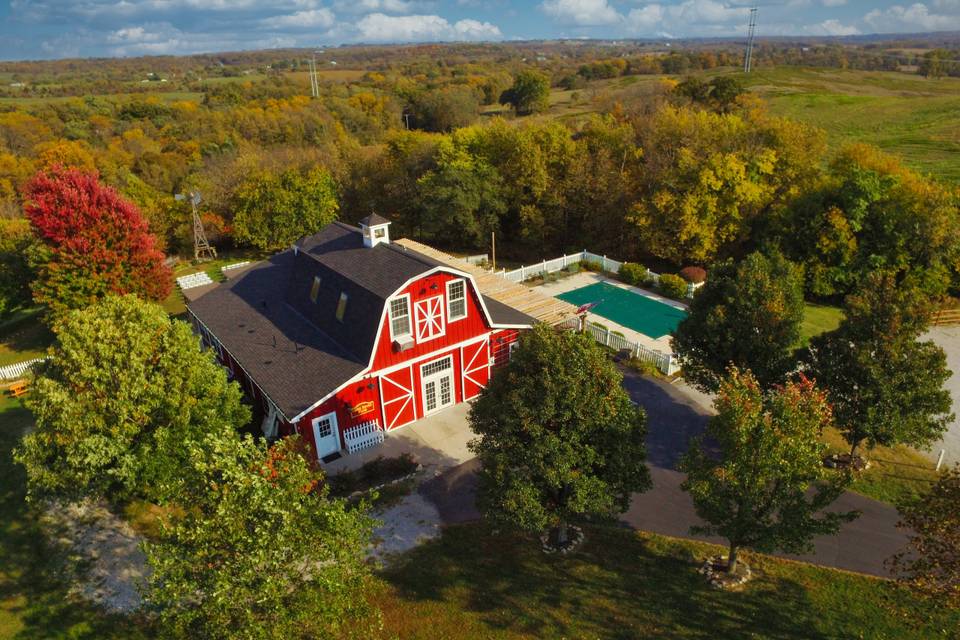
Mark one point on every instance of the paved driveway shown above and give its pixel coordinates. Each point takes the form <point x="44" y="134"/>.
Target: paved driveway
<point x="676" y="413"/>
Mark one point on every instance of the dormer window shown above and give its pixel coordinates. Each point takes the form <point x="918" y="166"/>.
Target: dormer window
<point x="342" y="306"/>
<point x="315" y="289"/>
<point x="456" y="300"/>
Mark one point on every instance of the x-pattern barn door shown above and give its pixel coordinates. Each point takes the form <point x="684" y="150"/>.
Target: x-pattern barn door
<point x="476" y="368"/>
<point x="429" y="318"/>
<point x="397" y="398"/>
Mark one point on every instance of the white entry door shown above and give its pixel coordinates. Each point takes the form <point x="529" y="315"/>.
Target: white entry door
<point x="326" y="435"/>
<point x="437" y="381"/>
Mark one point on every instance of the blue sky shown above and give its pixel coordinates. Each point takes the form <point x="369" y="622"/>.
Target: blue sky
<point x="66" y="28"/>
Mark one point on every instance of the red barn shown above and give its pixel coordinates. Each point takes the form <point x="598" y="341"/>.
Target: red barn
<point x="345" y="336"/>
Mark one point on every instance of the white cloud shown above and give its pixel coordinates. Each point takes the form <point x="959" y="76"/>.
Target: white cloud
<point x="581" y="13"/>
<point x="371" y="6"/>
<point x="706" y="12"/>
<point x="916" y="17"/>
<point x="835" y="28"/>
<point x="321" y="18"/>
<point x="645" y="18"/>
<point x="379" y="27"/>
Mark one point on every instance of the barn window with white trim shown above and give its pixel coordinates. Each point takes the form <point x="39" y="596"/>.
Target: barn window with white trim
<point x="400" y="317"/>
<point x="456" y="300"/>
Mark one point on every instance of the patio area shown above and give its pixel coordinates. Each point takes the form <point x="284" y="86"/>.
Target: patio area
<point x="438" y="442"/>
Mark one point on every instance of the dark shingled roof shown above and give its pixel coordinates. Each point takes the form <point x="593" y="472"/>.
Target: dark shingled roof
<point x="295" y="348"/>
<point x="373" y="220"/>
<point x="504" y="314"/>
<point x="282" y="351"/>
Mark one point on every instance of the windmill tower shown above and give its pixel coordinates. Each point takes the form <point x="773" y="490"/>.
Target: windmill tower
<point x="751" y="35"/>
<point x="201" y="248"/>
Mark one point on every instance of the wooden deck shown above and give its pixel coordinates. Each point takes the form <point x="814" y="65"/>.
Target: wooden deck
<point x="531" y="302"/>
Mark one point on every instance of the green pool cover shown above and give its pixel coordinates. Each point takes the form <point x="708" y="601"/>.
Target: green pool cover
<point x="646" y="315"/>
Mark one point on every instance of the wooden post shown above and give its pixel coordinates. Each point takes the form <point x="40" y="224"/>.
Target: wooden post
<point x="493" y="249"/>
<point x="940" y="459"/>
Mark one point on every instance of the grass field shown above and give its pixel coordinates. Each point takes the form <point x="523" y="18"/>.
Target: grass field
<point x="818" y="319"/>
<point x="623" y="584"/>
<point x="23" y="336"/>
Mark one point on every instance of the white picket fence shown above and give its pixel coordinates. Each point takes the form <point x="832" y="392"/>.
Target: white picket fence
<point x="666" y="362"/>
<point x="16" y="370"/>
<point x="363" y="436"/>
<point x="558" y="264"/>
<point x="225" y="269"/>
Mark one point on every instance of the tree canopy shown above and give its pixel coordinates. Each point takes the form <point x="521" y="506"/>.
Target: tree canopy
<point x="767" y="487"/>
<point x="748" y="314"/>
<point x="261" y="551"/>
<point x="124" y="394"/>
<point x="885" y="386"/>
<point x="275" y="209"/>
<point x="94" y="243"/>
<point x="559" y="439"/>
<point x="529" y="93"/>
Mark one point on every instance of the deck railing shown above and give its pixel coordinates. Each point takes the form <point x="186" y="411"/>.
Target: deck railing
<point x="666" y="363"/>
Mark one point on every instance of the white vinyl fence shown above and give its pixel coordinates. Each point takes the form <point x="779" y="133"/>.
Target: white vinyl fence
<point x="16" y="370"/>
<point x="363" y="436"/>
<point x="198" y="279"/>
<point x="666" y="362"/>
<point x="558" y="264"/>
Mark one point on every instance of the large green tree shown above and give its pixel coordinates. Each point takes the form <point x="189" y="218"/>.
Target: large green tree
<point x="17" y="244"/>
<point x="275" y="209"/>
<point x="530" y="93"/>
<point x="261" y="551"/>
<point x="885" y="386"/>
<point x="124" y="394"/>
<point x="748" y="314"/>
<point x="873" y="213"/>
<point x="767" y="487"/>
<point x="559" y="439"/>
<point x="930" y="564"/>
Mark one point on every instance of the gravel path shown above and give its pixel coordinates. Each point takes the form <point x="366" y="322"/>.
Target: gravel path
<point x="413" y="521"/>
<point x="103" y="551"/>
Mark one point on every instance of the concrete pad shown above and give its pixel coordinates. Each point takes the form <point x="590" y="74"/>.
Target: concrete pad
<point x="438" y="442"/>
<point x="949" y="339"/>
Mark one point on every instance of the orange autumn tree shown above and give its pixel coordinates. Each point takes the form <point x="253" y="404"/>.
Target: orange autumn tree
<point x="95" y="242"/>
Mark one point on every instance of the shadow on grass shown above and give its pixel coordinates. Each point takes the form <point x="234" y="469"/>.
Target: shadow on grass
<point x="34" y="602"/>
<point x="619" y="585"/>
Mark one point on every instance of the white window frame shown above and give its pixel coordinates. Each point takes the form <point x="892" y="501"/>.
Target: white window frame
<point x="446" y="372"/>
<point x="450" y="316"/>
<point x="409" y="333"/>
<point x="315" y="289"/>
<point x="342" y="301"/>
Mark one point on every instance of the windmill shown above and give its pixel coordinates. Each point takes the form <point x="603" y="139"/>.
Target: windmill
<point x="201" y="248"/>
<point x="751" y="34"/>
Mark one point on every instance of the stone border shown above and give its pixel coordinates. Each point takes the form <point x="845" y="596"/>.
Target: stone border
<point x="574" y="540"/>
<point x="714" y="570"/>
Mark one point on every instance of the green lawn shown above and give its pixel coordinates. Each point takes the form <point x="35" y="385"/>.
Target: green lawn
<point x="896" y="474"/>
<point x="23" y="336"/>
<point x="34" y="603"/>
<point x="818" y="319"/>
<point x="623" y="584"/>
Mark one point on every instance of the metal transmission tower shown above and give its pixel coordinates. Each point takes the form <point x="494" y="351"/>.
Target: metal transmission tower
<point x="201" y="248"/>
<point x="751" y="35"/>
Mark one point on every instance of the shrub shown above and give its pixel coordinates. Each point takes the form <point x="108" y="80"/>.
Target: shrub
<point x="592" y="265"/>
<point x="633" y="273"/>
<point x="673" y="286"/>
<point x="693" y="275"/>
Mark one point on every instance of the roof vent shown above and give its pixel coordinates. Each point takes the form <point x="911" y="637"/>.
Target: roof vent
<point x="375" y="229"/>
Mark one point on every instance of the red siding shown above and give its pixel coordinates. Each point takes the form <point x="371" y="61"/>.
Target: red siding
<point x="458" y="331"/>
<point x="500" y="343"/>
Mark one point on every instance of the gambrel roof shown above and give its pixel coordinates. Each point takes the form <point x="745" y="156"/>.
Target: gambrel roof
<point x="295" y="348"/>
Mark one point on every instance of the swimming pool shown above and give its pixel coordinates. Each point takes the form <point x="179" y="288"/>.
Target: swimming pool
<point x="645" y="315"/>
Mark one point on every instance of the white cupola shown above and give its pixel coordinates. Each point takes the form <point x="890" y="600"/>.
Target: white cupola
<point x="375" y="230"/>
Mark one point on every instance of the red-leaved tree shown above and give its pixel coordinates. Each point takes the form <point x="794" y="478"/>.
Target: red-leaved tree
<point x="96" y="242"/>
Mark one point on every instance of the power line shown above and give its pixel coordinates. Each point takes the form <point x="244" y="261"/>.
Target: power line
<point x="748" y="57"/>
